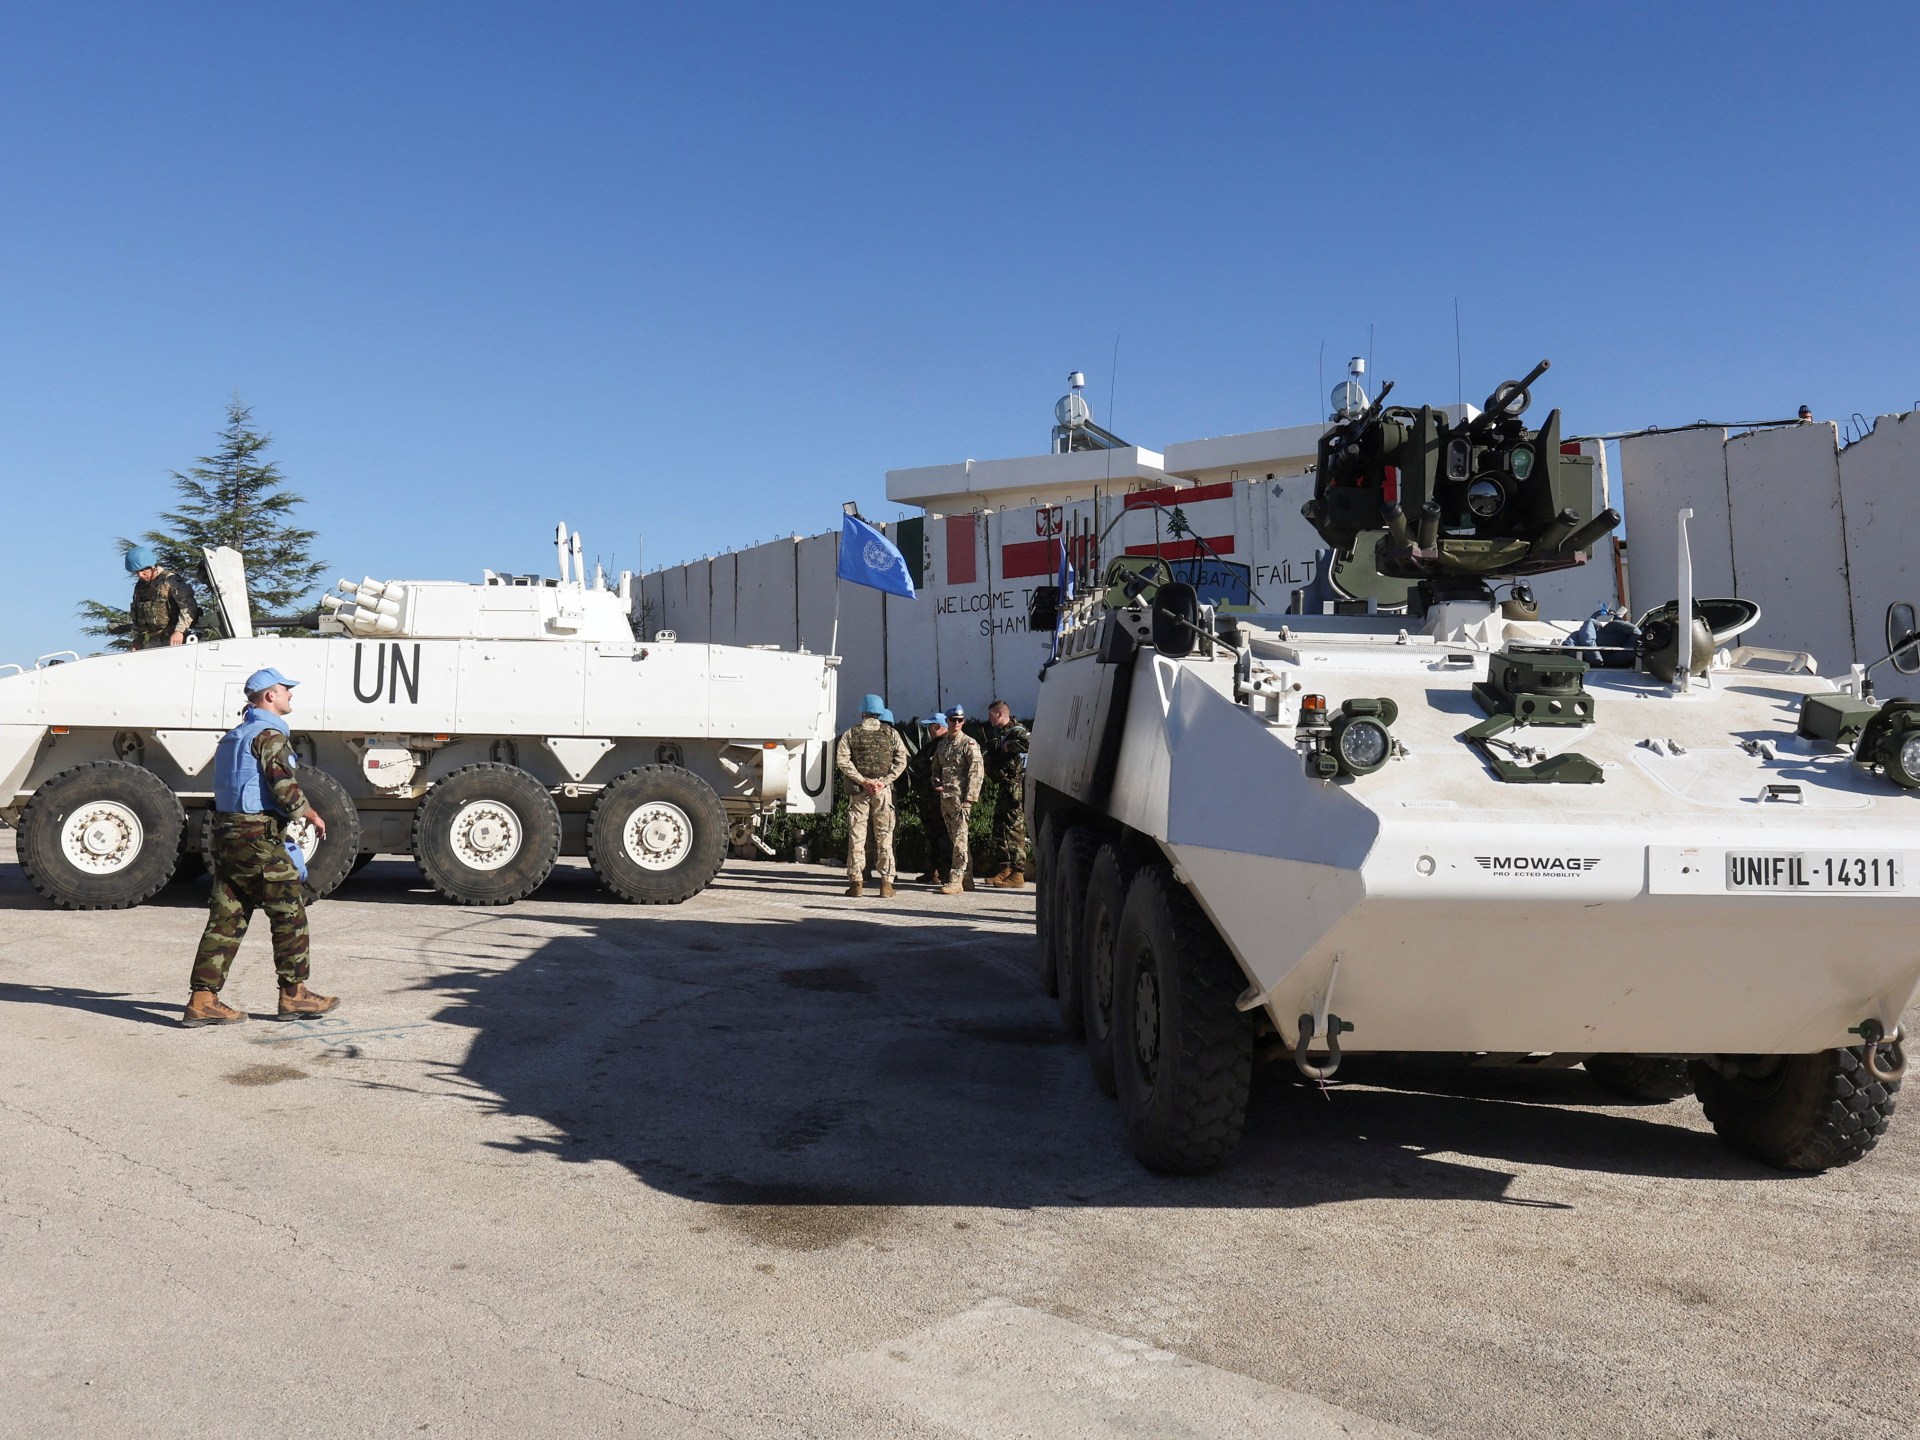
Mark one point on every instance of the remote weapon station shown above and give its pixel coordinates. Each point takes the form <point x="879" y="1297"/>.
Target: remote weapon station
<point x="1690" y="863"/>
<point x="486" y="729"/>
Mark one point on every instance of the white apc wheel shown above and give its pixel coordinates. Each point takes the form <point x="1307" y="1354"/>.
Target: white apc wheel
<point x="657" y="835"/>
<point x="101" y="836"/>
<point x="486" y="835"/>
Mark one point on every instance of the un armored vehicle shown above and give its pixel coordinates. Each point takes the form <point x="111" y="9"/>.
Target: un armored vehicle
<point x="1690" y="863"/>
<point x="484" y="728"/>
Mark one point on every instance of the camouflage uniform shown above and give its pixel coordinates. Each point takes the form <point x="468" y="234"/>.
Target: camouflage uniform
<point x="162" y="608"/>
<point x="958" y="773"/>
<point x="871" y="750"/>
<point x="251" y="868"/>
<point x="1006" y="757"/>
<point x="926" y="802"/>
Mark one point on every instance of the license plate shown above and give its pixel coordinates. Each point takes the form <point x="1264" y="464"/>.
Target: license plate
<point x="1812" y="871"/>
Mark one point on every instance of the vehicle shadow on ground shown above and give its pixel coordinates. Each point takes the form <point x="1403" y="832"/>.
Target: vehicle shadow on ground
<point x="844" y="1062"/>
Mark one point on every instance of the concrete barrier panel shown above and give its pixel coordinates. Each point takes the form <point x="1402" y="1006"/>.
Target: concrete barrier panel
<point x="1880" y="481"/>
<point x="1659" y="475"/>
<point x="767" y="602"/>
<point x="1789" y="543"/>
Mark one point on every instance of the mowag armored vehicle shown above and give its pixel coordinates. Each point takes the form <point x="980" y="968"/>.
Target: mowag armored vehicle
<point x="1690" y="863"/>
<point x="485" y="729"/>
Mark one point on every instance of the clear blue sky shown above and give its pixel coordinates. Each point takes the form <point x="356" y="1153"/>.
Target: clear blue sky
<point x="698" y="274"/>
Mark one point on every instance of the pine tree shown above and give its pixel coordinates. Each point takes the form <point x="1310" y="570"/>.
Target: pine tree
<point x="232" y="497"/>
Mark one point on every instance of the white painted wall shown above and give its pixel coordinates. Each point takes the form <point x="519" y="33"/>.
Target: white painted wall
<point x="1880" y="480"/>
<point x="1789" y="542"/>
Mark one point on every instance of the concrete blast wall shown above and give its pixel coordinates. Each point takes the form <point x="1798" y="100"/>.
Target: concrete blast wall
<point x="1821" y="538"/>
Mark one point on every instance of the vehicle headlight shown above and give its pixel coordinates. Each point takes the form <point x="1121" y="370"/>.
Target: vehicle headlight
<point x="1364" y="746"/>
<point x="1906" y="761"/>
<point x="1485" y="499"/>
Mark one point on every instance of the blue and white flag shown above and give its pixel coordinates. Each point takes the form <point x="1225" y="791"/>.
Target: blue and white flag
<point x="868" y="558"/>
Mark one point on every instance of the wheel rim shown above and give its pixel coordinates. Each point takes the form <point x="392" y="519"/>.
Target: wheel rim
<point x="657" y="835"/>
<point x="1146" y="1023"/>
<point x="1100" y="976"/>
<point x="102" y="838"/>
<point x="485" y="835"/>
<point x="302" y="833"/>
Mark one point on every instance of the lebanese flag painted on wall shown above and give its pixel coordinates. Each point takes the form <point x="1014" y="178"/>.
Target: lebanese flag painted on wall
<point x="1203" y="507"/>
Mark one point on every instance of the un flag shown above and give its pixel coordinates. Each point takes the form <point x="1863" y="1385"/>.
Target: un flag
<point x="868" y="558"/>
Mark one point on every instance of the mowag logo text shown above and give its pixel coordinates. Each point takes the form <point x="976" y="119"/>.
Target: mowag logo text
<point x="1549" y="865"/>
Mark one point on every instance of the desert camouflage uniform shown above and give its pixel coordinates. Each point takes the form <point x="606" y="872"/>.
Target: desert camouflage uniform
<point x="162" y="608"/>
<point x="958" y="773"/>
<point x="251" y="868"/>
<point x="1006" y="757"/>
<point x="871" y="750"/>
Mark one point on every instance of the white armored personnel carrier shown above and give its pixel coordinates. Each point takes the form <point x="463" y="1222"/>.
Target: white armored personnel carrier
<point x="486" y="729"/>
<point x="1687" y="862"/>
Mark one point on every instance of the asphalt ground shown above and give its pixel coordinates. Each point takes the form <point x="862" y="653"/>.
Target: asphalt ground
<point x="781" y="1163"/>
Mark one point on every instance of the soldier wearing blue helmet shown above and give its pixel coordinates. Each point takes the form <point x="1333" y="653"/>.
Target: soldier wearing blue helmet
<point x="255" y="794"/>
<point x="870" y="757"/>
<point x="164" y="609"/>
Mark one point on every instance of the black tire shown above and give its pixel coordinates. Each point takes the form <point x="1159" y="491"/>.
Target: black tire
<point x="480" y="812"/>
<point x="1044" y="851"/>
<point x="122" y="819"/>
<point x="1812" y="1112"/>
<point x="1649" y="1079"/>
<point x="1070" y="870"/>
<point x="669" y="816"/>
<point x="1099" y="929"/>
<point x="332" y="860"/>
<point x="1183" y="1055"/>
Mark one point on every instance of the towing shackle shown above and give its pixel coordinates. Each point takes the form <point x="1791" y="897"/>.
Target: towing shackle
<point x="1307" y="1067"/>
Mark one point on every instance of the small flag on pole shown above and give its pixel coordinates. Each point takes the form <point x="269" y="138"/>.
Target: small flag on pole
<point x="868" y="558"/>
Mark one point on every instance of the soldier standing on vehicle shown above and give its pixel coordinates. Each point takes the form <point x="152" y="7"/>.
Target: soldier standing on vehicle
<point x="926" y="799"/>
<point x="254" y="795"/>
<point x="958" y="773"/>
<point x="871" y="756"/>
<point x="164" y="609"/>
<point x="1006" y="757"/>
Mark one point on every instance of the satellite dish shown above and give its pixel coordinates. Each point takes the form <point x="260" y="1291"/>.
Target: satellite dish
<point x="1348" y="396"/>
<point x="1072" y="412"/>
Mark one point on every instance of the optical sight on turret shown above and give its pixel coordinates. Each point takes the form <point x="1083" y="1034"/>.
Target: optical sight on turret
<point x="1456" y="503"/>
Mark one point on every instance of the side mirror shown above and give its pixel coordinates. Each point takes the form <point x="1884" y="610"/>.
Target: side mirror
<point x="1903" y="638"/>
<point x="1176" y="620"/>
<point x="1043" y="608"/>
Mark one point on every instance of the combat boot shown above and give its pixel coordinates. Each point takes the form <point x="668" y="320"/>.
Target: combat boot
<point x="204" y="1008"/>
<point x="856" y="889"/>
<point x="1008" y="880"/>
<point x="966" y="882"/>
<point x="1001" y="873"/>
<point x="886" y="886"/>
<point x="952" y="887"/>
<point x="300" y="1002"/>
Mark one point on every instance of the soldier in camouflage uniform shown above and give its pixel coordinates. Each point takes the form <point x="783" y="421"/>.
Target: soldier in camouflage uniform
<point x="926" y="799"/>
<point x="1006" y="757"/>
<point x="958" y="773"/>
<point x="871" y="756"/>
<point x="164" y="609"/>
<point x="255" y="793"/>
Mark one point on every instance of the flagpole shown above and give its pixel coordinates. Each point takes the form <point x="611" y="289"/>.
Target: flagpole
<point x="833" y="645"/>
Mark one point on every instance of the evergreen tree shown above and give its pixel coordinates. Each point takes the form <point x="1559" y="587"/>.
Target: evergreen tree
<point x="232" y="497"/>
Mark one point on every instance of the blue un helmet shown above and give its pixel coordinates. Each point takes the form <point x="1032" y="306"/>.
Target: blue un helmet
<point x="935" y="721"/>
<point x="872" y="705"/>
<point x="140" y="557"/>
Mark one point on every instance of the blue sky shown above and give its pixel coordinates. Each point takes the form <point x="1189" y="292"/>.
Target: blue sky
<point x="697" y="274"/>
